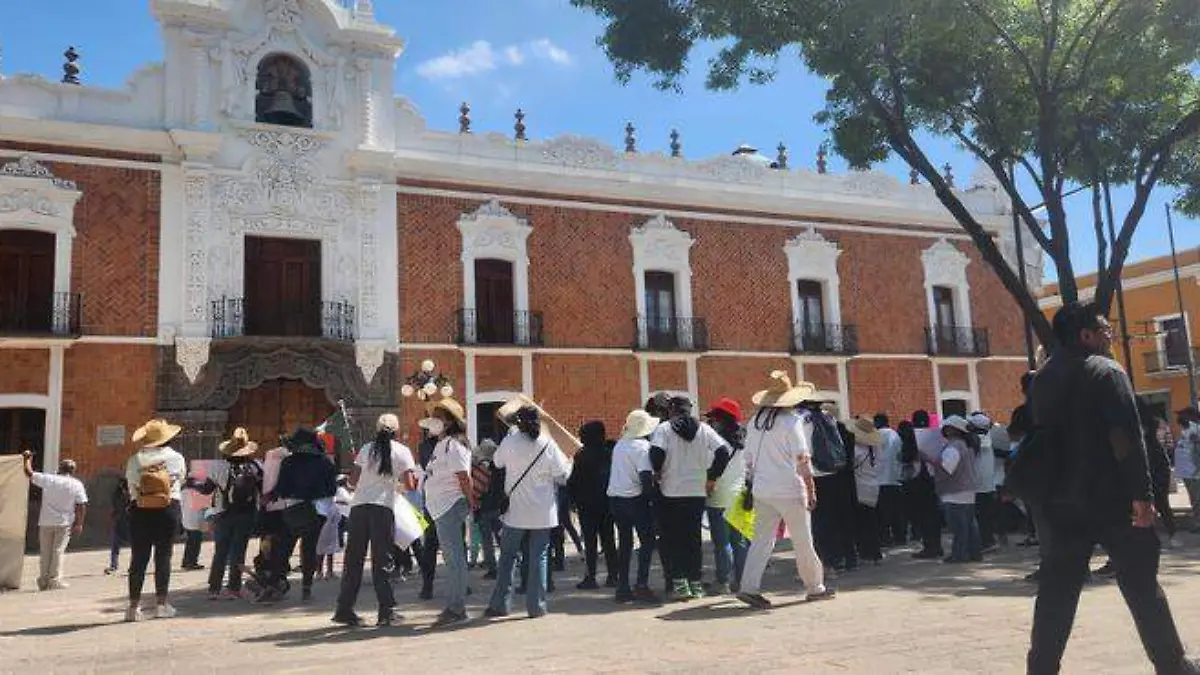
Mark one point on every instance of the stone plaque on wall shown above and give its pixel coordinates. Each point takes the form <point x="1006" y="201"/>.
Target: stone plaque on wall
<point x="107" y="435"/>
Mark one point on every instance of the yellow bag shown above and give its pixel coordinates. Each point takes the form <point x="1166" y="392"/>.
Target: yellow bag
<point x="739" y="518"/>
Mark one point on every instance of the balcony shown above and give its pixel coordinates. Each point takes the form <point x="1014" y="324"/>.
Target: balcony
<point x="676" y="334"/>
<point x="48" y="316"/>
<point x="1167" y="363"/>
<point x="824" y="338"/>
<point x="523" y="330"/>
<point x="957" y="341"/>
<point x="325" y="320"/>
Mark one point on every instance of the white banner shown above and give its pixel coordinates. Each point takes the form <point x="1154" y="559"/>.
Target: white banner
<point x="14" y="507"/>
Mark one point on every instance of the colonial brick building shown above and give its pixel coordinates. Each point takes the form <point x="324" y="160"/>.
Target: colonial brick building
<point x="258" y="228"/>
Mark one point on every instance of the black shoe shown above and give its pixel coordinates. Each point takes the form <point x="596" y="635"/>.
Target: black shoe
<point x="927" y="555"/>
<point x="448" y="618"/>
<point x="610" y="581"/>
<point x="491" y="613"/>
<point x="1033" y="577"/>
<point x="644" y="595"/>
<point x="951" y="560"/>
<point x="755" y="601"/>
<point x="348" y="619"/>
<point x="560" y="565"/>
<point x="426" y="593"/>
<point x="490" y="574"/>
<point x="389" y="617"/>
<point x="1106" y="571"/>
<point x="588" y="584"/>
<point x="624" y="597"/>
<point x="520" y="590"/>
<point x="305" y="594"/>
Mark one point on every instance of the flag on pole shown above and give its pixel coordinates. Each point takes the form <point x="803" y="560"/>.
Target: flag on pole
<point x="335" y="435"/>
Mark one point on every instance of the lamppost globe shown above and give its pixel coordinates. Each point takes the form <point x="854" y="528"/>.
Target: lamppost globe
<point x="407" y="391"/>
<point x="430" y="388"/>
<point x="447" y="391"/>
<point x="427" y="366"/>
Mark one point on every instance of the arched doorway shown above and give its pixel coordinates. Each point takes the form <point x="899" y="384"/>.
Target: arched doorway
<point x="276" y="408"/>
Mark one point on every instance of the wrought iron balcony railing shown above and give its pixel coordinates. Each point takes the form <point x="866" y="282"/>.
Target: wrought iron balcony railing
<point x="824" y="338"/>
<point x="234" y="317"/>
<point x="957" y="341"/>
<point x="521" y="329"/>
<point x="53" y="315"/>
<point x="1169" y="361"/>
<point x="670" y="334"/>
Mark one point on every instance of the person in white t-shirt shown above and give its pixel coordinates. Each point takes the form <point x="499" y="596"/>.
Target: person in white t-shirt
<point x="892" y="519"/>
<point x="449" y="499"/>
<point x="1187" y="466"/>
<point x="534" y="468"/>
<point x="64" y="506"/>
<point x="985" y="480"/>
<point x="382" y="469"/>
<point x="689" y="457"/>
<point x="779" y="474"/>
<point x="954" y="477"/>
<point x="630" y="484"/>
<point x="155" y="473"/>
<point x="868" y="466"/>
<point x="729" y="546"/>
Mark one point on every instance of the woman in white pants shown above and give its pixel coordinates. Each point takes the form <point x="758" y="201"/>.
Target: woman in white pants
<point x="779" y="470"/>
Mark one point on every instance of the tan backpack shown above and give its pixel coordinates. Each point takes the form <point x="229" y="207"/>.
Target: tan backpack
<point x="154" y="487"/>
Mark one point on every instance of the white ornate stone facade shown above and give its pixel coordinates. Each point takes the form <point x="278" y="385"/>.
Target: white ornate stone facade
<point x="814" y="258"/>
<point x="33" y="198"/>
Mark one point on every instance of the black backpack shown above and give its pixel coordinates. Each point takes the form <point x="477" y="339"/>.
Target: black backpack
<point x="241" y="492"/>
<point x="493" y="498"/>
<point x="828" y="451"/>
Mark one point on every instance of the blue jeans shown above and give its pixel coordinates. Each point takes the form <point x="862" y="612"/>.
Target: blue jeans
<point x="535" y="579"/>
<point x="633" y="514"/>
<point x="231" y="535"/>
<point x="454" y="553"/>
<point x="729" y="547"/>
<point x="967" y="543"/>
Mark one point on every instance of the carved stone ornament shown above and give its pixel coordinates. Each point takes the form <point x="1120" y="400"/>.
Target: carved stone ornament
<point x="732" y="169"/>
<point x="25" y="167"/>
<point x="659" y="243"/>
<point x="492" y="230"/>
<point x="582" y="153"/>
<point x="27" y="200"/>
<point x="869" y="183"/>
<point x="945" y="264"/>
<point x="811" y="255"/>
<point x="284" y="13"/>
<point x="192" y="354"/>
<point x="369" y="357"/>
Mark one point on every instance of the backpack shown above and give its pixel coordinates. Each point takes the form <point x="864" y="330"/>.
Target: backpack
<point x="492" y="498"/>
<point x="828" y="450"/>
<point x="481" y="480"/>
<point x="154" y="487"/>
<point x="241" y="491"/>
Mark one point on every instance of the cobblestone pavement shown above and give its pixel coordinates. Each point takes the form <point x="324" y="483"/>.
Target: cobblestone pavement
<point x="902" y="617"/>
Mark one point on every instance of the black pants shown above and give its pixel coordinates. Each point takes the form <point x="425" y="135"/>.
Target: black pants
<point x="374" y="526"/>
<point x="892" y="522"/>
<point x="1134" y="553"/>
<point x="191" y="548"/>
<point x="1162" y="502"/>
<point x="597" y="525"/>
<point x="632" y="514"/>
<point x="307" y="536"/>
<point x="921" y="504"/>
<point x="230" y="538"/>
<point x="681" y="534"/>
<point x="866" y="526"/>
<point x="426" y="550"/>
<point x="152" y="530"/>
<point x="833" y="520"/>
<point x="985" y="515"/>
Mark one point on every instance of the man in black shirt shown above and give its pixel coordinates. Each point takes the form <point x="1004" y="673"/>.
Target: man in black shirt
<point x="1102" y="494"/>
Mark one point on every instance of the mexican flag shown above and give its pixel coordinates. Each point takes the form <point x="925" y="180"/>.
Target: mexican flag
<point x="335" y="435"/>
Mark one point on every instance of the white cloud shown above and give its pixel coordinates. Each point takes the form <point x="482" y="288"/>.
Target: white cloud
<point x="546" y="50"/>
<point x="481" y="57"/>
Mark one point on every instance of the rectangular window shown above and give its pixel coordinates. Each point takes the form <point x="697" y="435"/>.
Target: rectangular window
<point x="943" y="306"/>
<point x="26" y="281"/>
<point x="1175" y="342"/>
<point x="494" y="311"/>
<point x="660" y="310"/>
<point x="283" y="287"/>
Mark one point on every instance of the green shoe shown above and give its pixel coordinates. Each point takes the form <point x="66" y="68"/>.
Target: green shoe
<point x="681" y="591"/>
<point x="696" y="589"/>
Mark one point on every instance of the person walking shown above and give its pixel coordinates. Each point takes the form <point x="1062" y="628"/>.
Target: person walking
<point x="1100" y="492"/>
<point x="729" y="546"/>
<point x="449" y="498"/>
<point x="382" y="468"/>
<point x="868" y="465"/>
<point x="534" y="467"/>
<point x="155" y="474"/>
<point x="892" y="520"/>
<point x="780" y="484"/>
<point x="64" y="507"/>
<point x="630" y="487"/>
<point x="689" y="457"/>
<point x="586" y="487"/>
<point x="236" y="486"/>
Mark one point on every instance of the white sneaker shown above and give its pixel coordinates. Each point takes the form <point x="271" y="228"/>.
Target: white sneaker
<point x="133" y="614"/>
<point x="164" y="611"/>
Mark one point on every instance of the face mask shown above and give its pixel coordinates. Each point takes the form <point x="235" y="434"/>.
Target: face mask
<point x="435" y="426"/>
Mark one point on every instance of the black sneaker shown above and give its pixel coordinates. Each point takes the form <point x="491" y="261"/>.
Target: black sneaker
<point x="306" y="594"/>
<point x="645" y="596"/>
<point x="624" y="597"/>
<point x="1106" y="571"/>
<point x="610" y="582"/>
<point x="927" y="555"/>
<point x="449" y="618"/>
<point x="588" y="584"/>
<point x="389" y="617"/>
<point x="492" y="613"/>
<point x="755" y="601"/>
<point x="426" y="593"/>
<point x="348" y="619"/>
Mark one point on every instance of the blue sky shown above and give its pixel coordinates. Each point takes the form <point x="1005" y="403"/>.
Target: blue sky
<point x="539" y="55"/>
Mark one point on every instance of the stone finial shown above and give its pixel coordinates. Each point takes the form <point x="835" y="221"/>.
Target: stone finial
<point x="949" y="174"/>
<point x="822" y="165"/>
<point x="781" y="157"/>
<point x="914" y="177"/>
<point x="70" y="68"/>
<point x="464" y="118"/>
<point x="364" y="9"/>
<point x="519" y="127"/>
<point x="630" y="138"/>
<point x="676" y="146"/>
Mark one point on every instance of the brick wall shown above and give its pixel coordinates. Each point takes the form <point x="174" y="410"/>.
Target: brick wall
<point x="897" y="387"/>
<point x="666" y="375"/>
<point x="498" y="373"/>
<point x="993" y="307"/>
<point x="883" y="290"/>
<point x="105" y="385"/>
<point x="430" y="267"/>
<point x="578" y="388"/>
<point x="1000" y="387"/>
<point x="823" y="375"/>
<point x="737" y="377"/>
<point x="954" y="377"/>
<point x="24" y="371"/>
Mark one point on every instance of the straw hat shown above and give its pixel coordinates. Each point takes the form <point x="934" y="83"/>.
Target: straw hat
<point x="782" y="394"/>
<point x="639" y="424"/>
<point x="454" y="408"/>
<point x="238" y="445"/>
<point x="864" y="431"/>
<point x="155" y="433"/>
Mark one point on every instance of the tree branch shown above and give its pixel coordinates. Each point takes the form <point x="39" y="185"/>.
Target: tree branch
<point x="1008" y="39"/>
<point x="1091" y="49"/>
<point x="1133" y="218"/>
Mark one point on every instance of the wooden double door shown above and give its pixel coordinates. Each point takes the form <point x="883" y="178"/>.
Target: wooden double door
<point x="276" y="408"/>
<point x="283" y="287"/>
<point x="26" y="281"/>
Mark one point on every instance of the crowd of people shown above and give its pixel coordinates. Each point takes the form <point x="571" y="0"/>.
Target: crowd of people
<point x="844" y="491"/>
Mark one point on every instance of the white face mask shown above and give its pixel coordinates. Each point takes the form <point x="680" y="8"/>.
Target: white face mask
<point x="435" y="426"/>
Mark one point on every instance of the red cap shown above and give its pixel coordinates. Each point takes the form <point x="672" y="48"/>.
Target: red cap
<point x="730" y="407"/>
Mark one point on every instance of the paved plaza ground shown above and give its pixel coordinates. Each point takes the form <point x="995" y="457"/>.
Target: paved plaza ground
<point x="902" y="617"/>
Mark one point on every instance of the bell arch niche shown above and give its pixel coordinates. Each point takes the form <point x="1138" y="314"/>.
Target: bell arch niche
<point x="283" y="91"/>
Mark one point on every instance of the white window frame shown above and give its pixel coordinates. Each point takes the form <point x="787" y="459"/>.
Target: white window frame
<point x="34" y="199"/>
<point x="946" y="266"/>
<point x="659" y="246"/>
<point x="1160" y="341"/>
<point x="492" y="232"/>
<point x="811" y="257"/>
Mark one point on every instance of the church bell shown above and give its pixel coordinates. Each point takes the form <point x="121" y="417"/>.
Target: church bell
<point x="282" y="109"/>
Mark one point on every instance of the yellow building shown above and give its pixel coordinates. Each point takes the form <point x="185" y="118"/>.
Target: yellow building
<point x="1159" y="334"/>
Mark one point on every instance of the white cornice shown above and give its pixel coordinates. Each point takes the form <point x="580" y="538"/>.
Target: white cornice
<point x="1128" y="284"/>
<point x="81" y="135"/>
